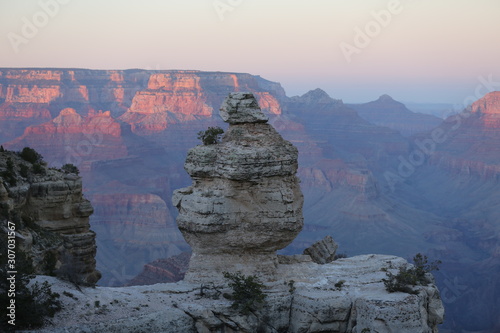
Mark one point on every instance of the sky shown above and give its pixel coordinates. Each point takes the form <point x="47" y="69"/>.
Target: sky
<point x="356" y="50"/>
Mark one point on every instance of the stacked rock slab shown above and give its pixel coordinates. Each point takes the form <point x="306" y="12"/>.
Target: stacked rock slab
<point x="245" y="201"/>
<point x="52" y="220"/>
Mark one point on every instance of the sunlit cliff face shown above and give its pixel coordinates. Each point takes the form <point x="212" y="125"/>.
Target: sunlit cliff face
<point x="488" y="108"/>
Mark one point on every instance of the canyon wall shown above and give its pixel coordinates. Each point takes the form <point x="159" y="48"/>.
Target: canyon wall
<point x="51" y="217"/>
<point x="137" y="149"/>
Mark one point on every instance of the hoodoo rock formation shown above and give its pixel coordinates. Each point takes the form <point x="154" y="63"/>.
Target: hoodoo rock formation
<point x="245" y="202"/>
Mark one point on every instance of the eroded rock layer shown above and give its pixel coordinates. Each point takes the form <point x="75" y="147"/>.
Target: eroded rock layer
<point x="245" y="202"/>
<point x="51" y="217"/>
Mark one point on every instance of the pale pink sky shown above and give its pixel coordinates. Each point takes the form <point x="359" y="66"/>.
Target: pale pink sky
<point x="426" y="50"/>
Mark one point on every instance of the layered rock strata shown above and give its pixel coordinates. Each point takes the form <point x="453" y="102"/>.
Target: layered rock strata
<point x="51" y="217"/>
<point x="318" y="302"/>
<point x="323" y="251"/>
<point x="245" y="201"/>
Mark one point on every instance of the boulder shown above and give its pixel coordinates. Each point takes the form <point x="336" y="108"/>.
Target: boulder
<point x="240" y="108"/>
<point x="322" y="251"/>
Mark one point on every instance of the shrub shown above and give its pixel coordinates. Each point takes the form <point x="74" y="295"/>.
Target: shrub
<point x="24" y="170"/>
<point x="339" y="284"/>
<point x="211" y="136"/>
<point x="408" y="277"/>
<point x="291" y="286"/>
<point x="38" y="169"/>
<point x="247" y="293"/>
<point x="33" y="303"/>
<point x="70" y="168"/>
<point x="30" y="155"/>
<point x="10" y="165"/>
<point x="210" y="291"/>
<point x="422" y="267"/>
<point x="9" y="175"/>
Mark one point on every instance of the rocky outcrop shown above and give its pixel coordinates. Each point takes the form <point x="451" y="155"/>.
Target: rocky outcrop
<point x="167" y="270"/>
<point x="488" y="105"/>
<point x="323" y="251"/>
<point x="346" y="296"/>
<point x="245" y="202"/>
<point x="52" y="219"/>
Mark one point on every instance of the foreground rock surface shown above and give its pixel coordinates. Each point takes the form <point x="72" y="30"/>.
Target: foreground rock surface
<point x="315" y="304"/>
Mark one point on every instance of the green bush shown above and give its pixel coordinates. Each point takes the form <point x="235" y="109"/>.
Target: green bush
<point x="291" y="286"/>
<point x="24" y="170"/>
<point x="9" y="175"/>
<point x="33" y="303"/>
<point x="70" y="168"/>
<point x="211" y="136"/>
<point x="30" y="155"/>
<point x="339" y="284"/>
<point x="247" y="293"/>
<point x="10" y="165"/>
<point x="38" y="169"/>
<point x="408" y="277"/>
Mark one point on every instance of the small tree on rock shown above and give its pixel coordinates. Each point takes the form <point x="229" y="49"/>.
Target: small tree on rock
<point x="30" y="155"/>
<point x="211" y="136"/>
<point x="247" y="293"/>
<point x="70" y="168"/>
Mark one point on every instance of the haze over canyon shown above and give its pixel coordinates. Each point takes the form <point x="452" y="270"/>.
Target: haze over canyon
<point x="376" y="176"/>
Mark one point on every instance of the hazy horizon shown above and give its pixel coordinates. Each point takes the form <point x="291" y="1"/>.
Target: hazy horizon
<point x="419" y="51"/>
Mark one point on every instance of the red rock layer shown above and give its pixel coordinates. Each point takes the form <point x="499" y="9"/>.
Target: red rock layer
<point x="472" y="141"/>
<point x="488" y="108"/>
<point x="329" y="174"/>
<point x="181" y="96"/>
<point x="71" y="138"/>
<point x="465" y="167"/>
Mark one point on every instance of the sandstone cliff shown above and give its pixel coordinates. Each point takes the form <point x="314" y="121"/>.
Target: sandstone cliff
<point x="51" y="217"/>
<point x="181" y="96"/>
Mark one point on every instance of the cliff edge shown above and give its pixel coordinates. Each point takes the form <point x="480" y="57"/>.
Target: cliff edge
<point x="51" y="217"/>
